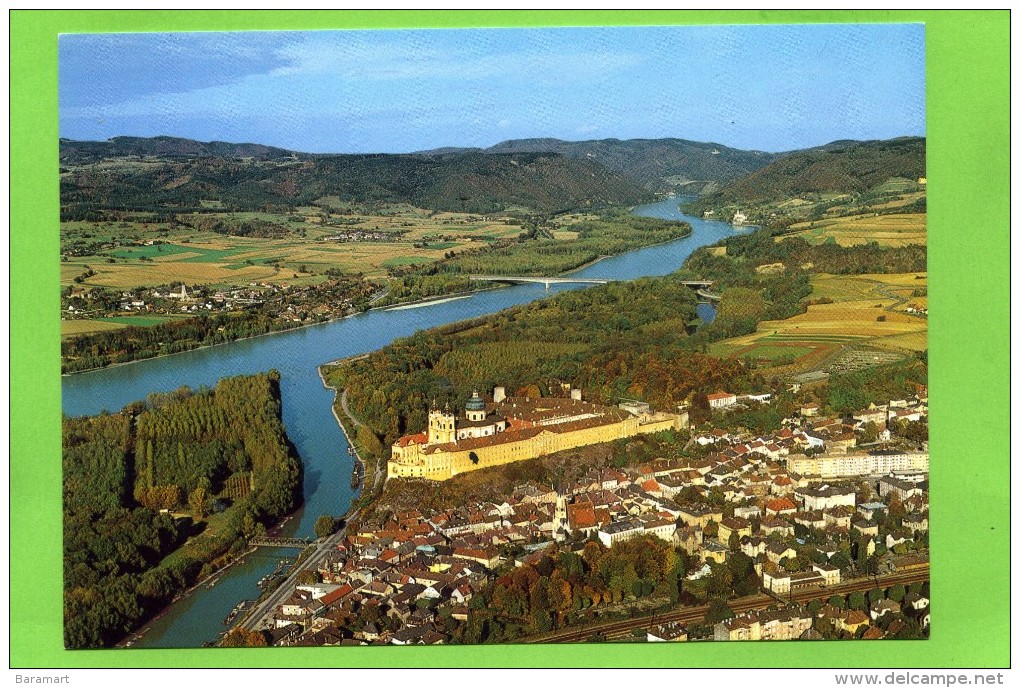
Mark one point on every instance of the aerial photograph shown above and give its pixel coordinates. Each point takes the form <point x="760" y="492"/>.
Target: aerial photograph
<point x="494" y="336"/>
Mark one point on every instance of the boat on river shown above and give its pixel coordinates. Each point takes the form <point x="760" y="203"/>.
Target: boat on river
<point x="235" y="611"/>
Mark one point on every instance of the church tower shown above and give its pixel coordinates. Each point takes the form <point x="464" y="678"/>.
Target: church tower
<point x="442" y="426"/>
<point x="474" y="409"/>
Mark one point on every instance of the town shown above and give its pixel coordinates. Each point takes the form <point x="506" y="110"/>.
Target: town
<point x="819" y="530"/>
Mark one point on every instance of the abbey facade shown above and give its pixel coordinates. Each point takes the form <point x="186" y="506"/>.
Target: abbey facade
<point x="511" y="429"/>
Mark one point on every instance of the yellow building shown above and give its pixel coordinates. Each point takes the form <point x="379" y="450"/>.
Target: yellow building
<point x="514" y="429"/>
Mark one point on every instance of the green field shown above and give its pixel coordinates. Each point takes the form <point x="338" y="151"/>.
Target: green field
<point x="775" y="353"/>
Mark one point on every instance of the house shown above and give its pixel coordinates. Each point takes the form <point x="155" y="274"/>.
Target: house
<point x="811" y="519"/>
<point x="829" y="573"/>
<point x="869" y="509"/>
<point x="852" y="620"/>
<point x="873" y="633"/>
<point x="883" y="607"/>
<point x="782" y="624"/>
<point x="720" y="400"/>
<point x="620" y="530"/>
<point x="826" y="497"/>
<point x="753" y="546"/>
<point x="672" y="632"/>
<point x="901" y="487"/>
<point x="750" y="511"/>
<point x="777" y="525"/>
<point x="776" y="552"/>
<point x="916" y="522"/>
<point x="780" y="506"/>
<point x="729" y="526"/>
<point x="699" y="516"/>
<point x="713" y="551"/>
<point x="869" y="528"/>
<point x="839" y="517"/>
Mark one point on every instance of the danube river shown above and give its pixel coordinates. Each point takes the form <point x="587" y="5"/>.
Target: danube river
<point x="307" y="404"/>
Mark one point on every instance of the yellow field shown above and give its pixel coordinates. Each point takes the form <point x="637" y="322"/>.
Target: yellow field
<point x="128" y="275"/>
<point x="69" y="328"/>
<point x="564" y="235"/>
<point x="853" y="318"/>
<point x="857" y="318"/>
<point x="198" y="257"/>
<point x="886" y="230"/>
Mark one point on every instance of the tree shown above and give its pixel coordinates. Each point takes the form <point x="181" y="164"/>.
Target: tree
<point x="857" y="601"/>
<point x="718" y="611"/>
<point x="837" y="601"/>
<point x="308" y="577"/>
<point x="325" y="525"/>
<point x="198" y="502"/>
<point x="897" y="592"/>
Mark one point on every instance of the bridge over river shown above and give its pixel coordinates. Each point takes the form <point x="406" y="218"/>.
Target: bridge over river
<point x="520" y="279"/>
<point x="292" y="543"/>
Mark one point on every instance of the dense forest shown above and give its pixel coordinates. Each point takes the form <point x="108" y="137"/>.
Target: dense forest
<point x="656" y="164"/>
<point x="842" y="167"/>
<point x="472" y="182"/>
<point x="164" y="492"/>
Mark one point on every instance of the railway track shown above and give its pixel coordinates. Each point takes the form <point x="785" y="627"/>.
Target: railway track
<point x="615" y="630"/>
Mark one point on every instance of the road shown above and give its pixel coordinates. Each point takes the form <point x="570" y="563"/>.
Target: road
<point x="260" y="616"/>
<point x="380" y="466"/>
<point x="611" y="630"/>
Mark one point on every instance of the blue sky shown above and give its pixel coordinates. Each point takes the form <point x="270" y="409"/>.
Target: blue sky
<point x="769" y="88"/>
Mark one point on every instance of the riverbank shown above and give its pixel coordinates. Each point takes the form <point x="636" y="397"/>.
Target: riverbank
<point x="442" y="298"/>
<point x="340" y="398"/>
<point x="208" y="580"/>
<point x="347" y="434"/>
<point x="305" y="398"/>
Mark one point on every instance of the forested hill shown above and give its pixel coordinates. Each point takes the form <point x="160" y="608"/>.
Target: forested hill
<point x="664" y="165"/>
<point x="471" y="182"/>
<point x="842" y="167"/>
<point x="82" y="152"/>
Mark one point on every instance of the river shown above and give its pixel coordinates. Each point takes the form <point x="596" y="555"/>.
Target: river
<point x="307" y="404"/>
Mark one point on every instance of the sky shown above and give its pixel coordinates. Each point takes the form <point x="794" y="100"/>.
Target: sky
<point x="771" y="88"/>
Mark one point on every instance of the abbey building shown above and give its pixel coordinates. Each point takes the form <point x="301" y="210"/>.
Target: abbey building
<point x="511" y="429"/>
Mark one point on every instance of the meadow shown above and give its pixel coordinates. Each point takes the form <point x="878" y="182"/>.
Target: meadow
<point x="150" y="253"/>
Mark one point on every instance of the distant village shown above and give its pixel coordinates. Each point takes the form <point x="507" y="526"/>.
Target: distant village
<point x="821" y="502"/>
<point x="288" y="303"/>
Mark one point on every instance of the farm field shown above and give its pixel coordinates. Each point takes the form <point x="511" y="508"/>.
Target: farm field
<point x="69" y="328"/>
<point x="886" y="230"/>
<point x="154" y="253"/>
<point x="866" y="312"/>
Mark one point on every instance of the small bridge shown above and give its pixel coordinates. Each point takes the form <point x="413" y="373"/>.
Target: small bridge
<point x="709" y="296"/>
<point x="516" y="279"/>
<point x="290" y="543"/>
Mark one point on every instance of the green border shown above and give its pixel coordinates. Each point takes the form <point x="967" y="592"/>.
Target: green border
<point x="968" y="169"/>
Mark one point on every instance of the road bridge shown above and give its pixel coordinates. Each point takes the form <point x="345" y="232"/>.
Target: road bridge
<point x="290" y="543"/>
<point x="517" y="279"/>
<point x="522" y="279"/>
